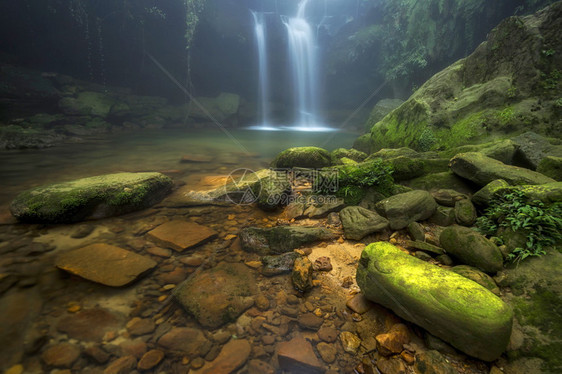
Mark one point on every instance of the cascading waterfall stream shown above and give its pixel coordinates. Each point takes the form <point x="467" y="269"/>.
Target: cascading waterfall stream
<point x="261" y="33"/>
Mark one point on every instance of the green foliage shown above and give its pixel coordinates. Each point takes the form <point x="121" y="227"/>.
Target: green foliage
<point x="558" y="103"/>
<point x="427" y="140"/>
<point x="548" y="52"/>
<point x="353" y="180"/>
<point x="541" y="225"/>
<point x="512" y="92"/>
<point x="193" y="10"/>
<point x="551" y="81"/>
<point x="506" y="115"/>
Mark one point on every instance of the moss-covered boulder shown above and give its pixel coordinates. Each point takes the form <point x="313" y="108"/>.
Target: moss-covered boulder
<point x="451" y="307"/>
<point x="443" y="216"/>
<point x="471" y="248"/>
<point x="436" y="181"/>
<point x="548" y="193"/>
<point x="551" y="166"/>
<point x="359" y="222"/>
<point x="353" y="154"/>
<point x="532" y="148"/>
<point x="482" y="170"/>
<point x="483" y="196"/>
<point x="302" y="157"/>
<point x="465" y="212"/>
<point x="404" y="208"/>
<point x="535" y="297"/>
<point x="90" y="198"/>
<point x="88" y="103"/>
<point x="280" y="239"/>
<point x="479" y="277"/>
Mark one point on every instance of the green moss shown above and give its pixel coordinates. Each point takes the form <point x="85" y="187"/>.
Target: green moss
<point x="304" y="157"/>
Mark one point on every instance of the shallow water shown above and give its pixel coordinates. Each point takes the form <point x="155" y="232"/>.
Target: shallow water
<point x="154" y="150"/>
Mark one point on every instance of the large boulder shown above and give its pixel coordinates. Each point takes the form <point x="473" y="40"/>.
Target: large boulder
<point x="219" y="295"/>
<point x="88" y="103"/>
<point x="483" y="197"/>
<point x="551" y="166"/>
<point x="303" y="157"/>
<point x="532" y="148"/>
<point x="448" y="305"/>
<point x="482" y="170"/>
<point x="359" y="222"/>
<point x="280" y="239"/>
<point x="404" y="208"/>
<point x="471" y="248"/>
<point x="90" y="198"/>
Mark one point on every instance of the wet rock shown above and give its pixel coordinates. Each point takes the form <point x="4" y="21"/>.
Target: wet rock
<point x="97" y="354"/>
<point x="391" y="366"/>
<point x="482" y="170"/>
<point x="328" y="334"/>
<point x="140" y="326"/>
<point x="327" y="352"/>
<point x="260" y="367"/>
<point x="310" y="321"/>
<point x="441" y="301"/>
<point x="90" y="198"/>
<point x="350" y="342"/>
<point x="232" y="356"/>
<point x="391" y="343"/>
<point x="61" y="355"/>
<point x="359" y="222"/>
<point x="150" y="359"/>
<point x="432" y="362"/>
<point x="123" y="365"/>
<point x="302" y="274"/>
<point x="173" y="277"/>
<point x="416" y="231"/>
<point x="359" y="304"/>
<point x="479" y="277"/>
<point x="180" y="235"/>
<point x="297" y="355"/>
<point x="274" y="265"/>
<point x="465" y="213"/>
<point x="105" y="264"/>
<point x="423" y="246"/>
<point x="82" y="231"/>
<point x="448" y="197"/>
<point x="136" y="348"/>
<point x="471" y="248"/>
<point x="404" y="208"/>
<point x="281" y="239"/>
<point x="445" y="260"/>
<point x="79" y="325"/>
<point x="322" y="264"/>
<point x="218" y="295"/>
<point x="188" y="341"/>
<point x="303" y="157"/>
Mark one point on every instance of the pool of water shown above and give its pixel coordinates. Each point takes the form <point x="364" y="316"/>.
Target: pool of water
<point x="154" y="150"/>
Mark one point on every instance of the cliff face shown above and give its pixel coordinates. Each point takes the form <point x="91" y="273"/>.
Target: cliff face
<point x="510" y="84"/>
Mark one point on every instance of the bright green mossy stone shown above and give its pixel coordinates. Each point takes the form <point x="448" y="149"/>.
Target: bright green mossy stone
<point x="90" y="198"/>
<point x="448" y="305"/>
<point x="303" y="157"/>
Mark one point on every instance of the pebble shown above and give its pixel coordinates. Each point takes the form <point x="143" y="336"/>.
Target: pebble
<point x="323" y="264"/>
<point x="328" y="334"/>
<point x="359" y="304"/>
<point x="140" y="326"/>
<point x="310" y="321"/>
<point x="61" y="355"/>
<point x="96" y="353"/>
<point x="350" y="342"/>
<point x="160" y="252"/>
<point x="150" y="359"/>
<point x="393" y="341"/>
<point x="260" y="367"/>
<point x="327" y="352"/>
<point x="123" y="365"/>
<point x="262" y="302"/>
<point x="193" y="261"/>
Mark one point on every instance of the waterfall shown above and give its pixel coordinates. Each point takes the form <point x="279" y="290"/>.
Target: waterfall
<point x="303" y="61"/>
<point x="260" y="33"/>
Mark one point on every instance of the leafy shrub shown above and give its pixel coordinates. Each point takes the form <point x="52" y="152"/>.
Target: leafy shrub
<point x="541" y="225"/>
<point x="355" y="179"/>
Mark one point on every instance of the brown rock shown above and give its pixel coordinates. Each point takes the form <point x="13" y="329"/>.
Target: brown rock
<point x="327" y="352"/>
<point x="150" y="359"/>
<point x="180" y="235"/>
<point x="140" y="326"/>
<point x="175" y="276"/>
<point x="302" y="274"/>
<point x="189" y="341"/>
<point x="136" y="347"/>
<point x="123" y="365"/>
<point x="392" y="342"/>
<point x="80" y="325"/>
<point x="359" y="304"/>
<point x="232" y="356"/>
<point x="391" y="366"/>
<point x="407" y="357"/>
<point x="61" y="355"/>
<point x="97" y="354"/>
<point x="310" y="321"/>
<point x="323" y="264"/>
<point x="193" y="261"/>
<point x="297" y="355"/>
<point x="262" y="302"/>
<point x="160" y="252"/>
<point x="260" y="367"/>
<point x="328" y="334"/>
<point x="350" y="342"/>
<point x="105" y="264"/>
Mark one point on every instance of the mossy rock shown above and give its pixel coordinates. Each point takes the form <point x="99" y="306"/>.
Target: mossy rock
<point x="90" y="198"/>
<point x="436" y="181"/>
<point x="501" y="150"/>
<point x="303" y="157"/>
<point x="465" y="212"/>
<point x="484" y="196"/>
<point x="405" y="208"/>
<point x="352" y="154"/>
<point x="406" y="168"/>
<point x="551" y="166"/>
<point x="471" y="248"/>
<point x="451" y="307"/>
<point x="482" y="170"/>
<point x="363" y="143"/>
<point x="479" y="277"/>
<point x="280" y="239"/>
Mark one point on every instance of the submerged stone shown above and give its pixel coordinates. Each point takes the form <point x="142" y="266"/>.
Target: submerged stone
<point x="90" y="198"/>
<point x="454" y="308"/>
<point x="359" y="222"/>
<point x="280" y="239"/>
<point x="180" y="235"/>
<point x="297" y="355"/>
<point x="219" y="295"/>
<point x="105" y="264"/>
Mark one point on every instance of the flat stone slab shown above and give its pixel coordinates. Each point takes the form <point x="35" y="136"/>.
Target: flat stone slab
<point x="298" y="356"/>
<point x="180" y="235"/>
<point x="105" y="264"/>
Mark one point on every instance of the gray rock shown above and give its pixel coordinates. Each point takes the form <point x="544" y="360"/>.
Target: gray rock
<point x="532" y="148"/>
<point x="280" y="239"/>
<point x="483" y="196"/>
<point x="551" y="166"/>
<point x="91" y="198"/>
<point x="423" y="246"/>
<point x="471" y="248"/>
<point x="274" y="265"/>
<point x="465" y="213"/>
<point x="447" y="197"/>
<point x="482" y="170"/>
<point x="416" y="231"/>
<point x="402" y="209"/>
<point x="359" y="222"/>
